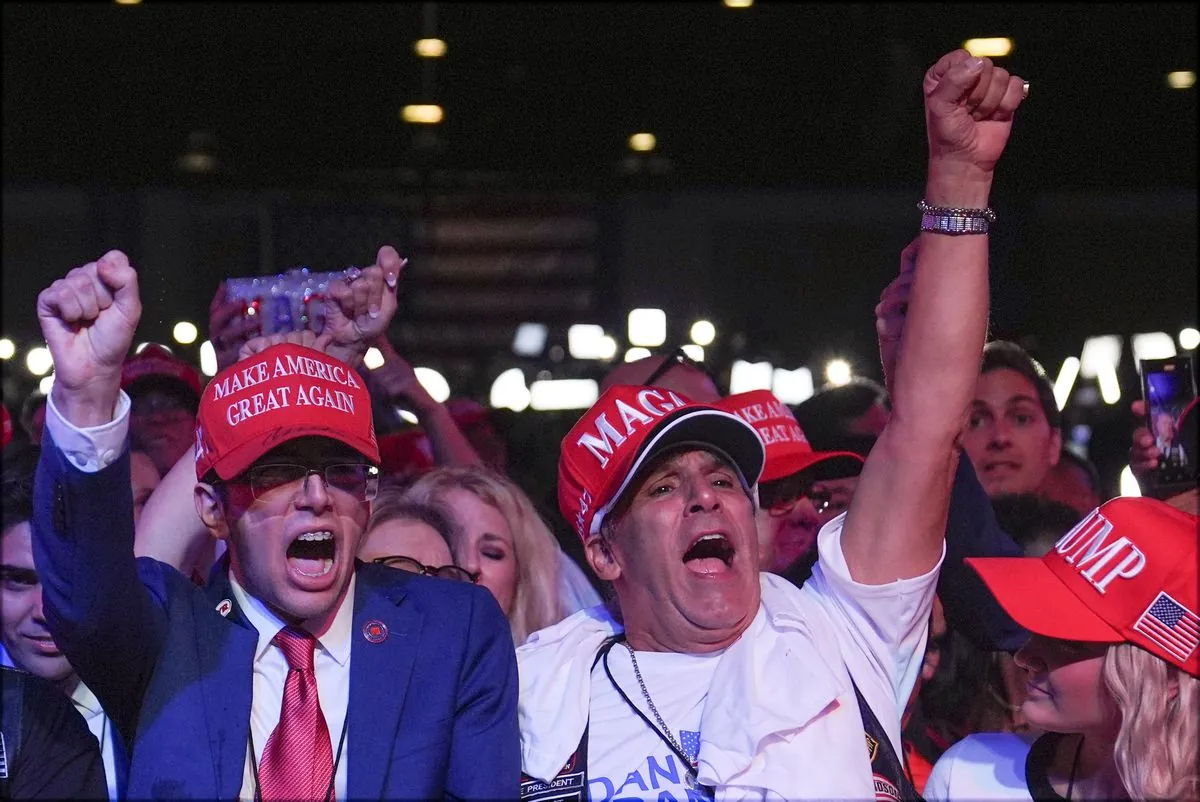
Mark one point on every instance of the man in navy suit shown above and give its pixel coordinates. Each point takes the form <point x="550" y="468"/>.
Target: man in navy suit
<point x="298" y="673"/>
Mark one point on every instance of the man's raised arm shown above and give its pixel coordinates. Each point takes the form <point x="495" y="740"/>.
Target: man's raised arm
<point x="895" y="525"/>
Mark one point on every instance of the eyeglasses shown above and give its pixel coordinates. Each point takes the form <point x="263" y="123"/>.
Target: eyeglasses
<point x="679" y="357"/>
<point x="781" y="497"/>
<point x="414" y="567"/>
<point x="356" y="479"/>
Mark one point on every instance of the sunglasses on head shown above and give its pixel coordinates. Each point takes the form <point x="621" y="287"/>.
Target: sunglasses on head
<point x="680" y="357"/>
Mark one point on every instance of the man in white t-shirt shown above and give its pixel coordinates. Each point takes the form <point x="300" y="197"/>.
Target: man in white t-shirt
<point x="707" y="678"/>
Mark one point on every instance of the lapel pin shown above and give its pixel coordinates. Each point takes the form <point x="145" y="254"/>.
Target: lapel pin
<point x="375" y="631"/>
<point x="224" y="606"/>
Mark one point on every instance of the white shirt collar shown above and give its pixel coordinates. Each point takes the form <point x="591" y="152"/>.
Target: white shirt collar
<point x="335" y="641"/>
<point x="85" y="700"/>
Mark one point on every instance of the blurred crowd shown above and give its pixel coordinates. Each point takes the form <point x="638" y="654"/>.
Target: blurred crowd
<point x="925" y="563"/>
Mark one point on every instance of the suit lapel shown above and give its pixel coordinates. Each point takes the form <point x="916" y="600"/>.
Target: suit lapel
<point x="379" y="676"/>
<point x="225" y="646"/>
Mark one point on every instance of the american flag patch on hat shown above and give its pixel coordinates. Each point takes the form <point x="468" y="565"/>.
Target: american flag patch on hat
<point x="1172" y="627"/>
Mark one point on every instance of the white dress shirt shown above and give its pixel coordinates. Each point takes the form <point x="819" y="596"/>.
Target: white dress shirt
<point x="331" y="662"/>
<point x="97" y="447"/>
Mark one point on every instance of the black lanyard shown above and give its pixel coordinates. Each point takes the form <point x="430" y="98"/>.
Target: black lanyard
<point x="333" y="775"/>
<point x="604" y="650"/>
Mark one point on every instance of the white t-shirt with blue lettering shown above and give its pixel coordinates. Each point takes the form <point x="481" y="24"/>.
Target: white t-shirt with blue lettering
<point x="626" y="759"/>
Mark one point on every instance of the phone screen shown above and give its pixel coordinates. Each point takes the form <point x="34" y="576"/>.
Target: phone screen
<point x="1169" y="388"/>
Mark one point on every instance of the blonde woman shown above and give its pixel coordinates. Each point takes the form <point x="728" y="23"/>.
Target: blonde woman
<point x="499" y="536"/>
<point x="1113" y="666"/>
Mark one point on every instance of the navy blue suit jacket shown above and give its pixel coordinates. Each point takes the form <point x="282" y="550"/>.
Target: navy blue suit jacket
<point x="973" y="531"/>
<point x="432" y="708"/>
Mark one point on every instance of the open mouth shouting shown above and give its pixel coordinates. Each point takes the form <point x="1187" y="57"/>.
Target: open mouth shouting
<point x="710" y="554"/>
<point x="311" y="558"/>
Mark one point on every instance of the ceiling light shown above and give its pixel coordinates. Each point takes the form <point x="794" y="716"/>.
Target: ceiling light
<point x="1129" y="483"/>
<point x="634" y="354"/>
<point x="185" y="333"/>
<point x="694" y="352"/>
<point x="792" y="386"/>
<point x="1067" y="375"/>
<point x="45" y="384"/>
<point x="703" y="332"/>
<point x="642" y="143"/>
<point x="737" y="3"/>
<point x="430" y="48"/>
<point x="555" y="394"/>
<point x="1110" y="386"/>
<point x="8" y="348"/>
<point x="434" y="383"/>
<point x="1188" y="339"/>
<point x="39" y="361"/>
<point x="991" y="47"/>
<point x="373" y="358"/>
<point x="746" y="376"/>
<point x="530" y="339"/>
<point x="208" y="359"/>
<point x="1153" y="345"/>
<point x="586" y="341"/>
<point x="1098" y="352"/>
<point x="647" y="327"/>
<point x="1181" y="79"/>
<point x="422" y="114"/>
<point x="509" y="391"/>
<point x="837" y="372"/>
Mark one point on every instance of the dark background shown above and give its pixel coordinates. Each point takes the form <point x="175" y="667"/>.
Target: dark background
<point x="790" y="158"/>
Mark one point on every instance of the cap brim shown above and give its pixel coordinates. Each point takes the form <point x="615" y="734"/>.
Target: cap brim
<point x="244" y="455"/>
<point x="1038" y="600"/>
<point x="825" y="464"/>
<point x="720" y="431"/>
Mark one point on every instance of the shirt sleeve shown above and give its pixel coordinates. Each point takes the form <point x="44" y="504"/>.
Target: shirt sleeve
<point x="937" y="787"/>
<point x="881" y="629"/>
<point x="95" y="447"/>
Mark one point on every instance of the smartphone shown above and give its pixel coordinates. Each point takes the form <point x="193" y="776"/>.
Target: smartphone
<point x="1169" y="390"/>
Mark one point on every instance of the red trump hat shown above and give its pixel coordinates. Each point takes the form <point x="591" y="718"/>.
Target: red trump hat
<point x="282" y="393"/>
<point x="1125" y="574"/>
<point x="155" y="361"/>
<point x="788" y="450"/>
<point x="626" y="427"/>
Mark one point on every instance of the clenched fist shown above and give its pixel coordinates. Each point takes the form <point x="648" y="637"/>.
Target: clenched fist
<point x="969" y="106"/>
<point x="88" y="319"/>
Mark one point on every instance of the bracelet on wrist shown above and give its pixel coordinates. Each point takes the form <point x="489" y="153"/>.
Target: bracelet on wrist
<point x="955" y="220"/>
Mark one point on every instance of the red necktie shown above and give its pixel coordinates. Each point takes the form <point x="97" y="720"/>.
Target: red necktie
<point x="297" y="762"/>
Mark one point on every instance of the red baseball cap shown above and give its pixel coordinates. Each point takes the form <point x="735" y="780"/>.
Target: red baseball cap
<point x="406" y="451"/>
<point x="1125" y="573"/>
<point x="627" y="426"/>
<point x="282" y="393"/>
<point x="156" y="361"/>
<point x="788" y="450"/>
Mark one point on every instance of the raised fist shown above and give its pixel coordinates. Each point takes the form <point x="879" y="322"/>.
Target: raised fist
<point x="969" y="106"/>
<point x="88" y="319"/>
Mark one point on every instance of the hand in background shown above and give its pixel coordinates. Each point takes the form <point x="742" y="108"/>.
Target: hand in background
<point x="891" y="309"/>
<point x="361" y="308"/>
<point x="228" y="328"/>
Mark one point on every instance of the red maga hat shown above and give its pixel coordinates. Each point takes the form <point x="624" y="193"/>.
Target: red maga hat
<point x="788" y="450"/>
<point x="1125" y="573"/>
<point x="282" y="393"/>
<point x="626" y="427"/>
<point x="155" y="361"/>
